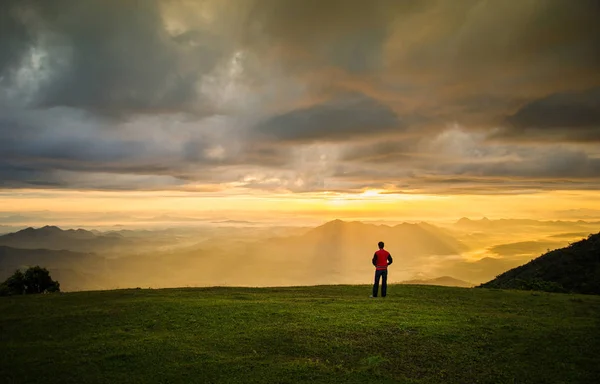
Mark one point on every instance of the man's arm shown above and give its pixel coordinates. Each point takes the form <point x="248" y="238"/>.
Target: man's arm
<point x="390" y="260"/>
<point x="374" y="261"/>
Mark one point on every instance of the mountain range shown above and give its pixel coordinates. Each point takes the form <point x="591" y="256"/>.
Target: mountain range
<point x="510" y="224"/>
<point x="54" y="238"/>
<point x="337" y="252"/>
<point x="406" y="239"/>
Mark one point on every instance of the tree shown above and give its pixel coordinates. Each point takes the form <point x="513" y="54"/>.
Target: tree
<point x="14" y="285"/>
<point x="34" y="280"/>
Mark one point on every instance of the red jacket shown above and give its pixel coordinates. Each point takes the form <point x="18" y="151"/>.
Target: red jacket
<point x="381" y="259"/>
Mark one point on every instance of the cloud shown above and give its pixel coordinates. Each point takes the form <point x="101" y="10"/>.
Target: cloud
<point x="566" y="116"/>
<point x="15" y="37"/>
<point x="110" y="57"/>
<point x="458" y="161"/>
<point x="548" y="164"/>
<point x="473" y="38"/>
<point x="67" y="148"/>
<point x="300" y="95"/>
<point x="394" y="151"/>
<point x="349" y="35"/>
<point x="342" y="118"/>
<point x="39" y="177"/>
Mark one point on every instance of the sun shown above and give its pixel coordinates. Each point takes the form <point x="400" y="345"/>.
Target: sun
<point x="371" y="193"/>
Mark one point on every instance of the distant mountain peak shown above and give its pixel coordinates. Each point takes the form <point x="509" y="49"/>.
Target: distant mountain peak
<point x="78" y="230"/>
<point x="50" y="228"/>
<point x="336" y="223"/>
<point x="466" y="221"/>
<point x="52" y="231"/>
<point x="407" y="225"/>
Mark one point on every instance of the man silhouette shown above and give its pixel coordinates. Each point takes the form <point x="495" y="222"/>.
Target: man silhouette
<point x="381" y="260"/>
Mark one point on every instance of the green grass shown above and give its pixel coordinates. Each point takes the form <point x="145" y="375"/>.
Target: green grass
<point x="327" y="334"/>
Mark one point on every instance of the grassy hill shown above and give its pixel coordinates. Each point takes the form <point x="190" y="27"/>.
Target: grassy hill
<point x="575" y="268"/>
<point x="326" y="334"/>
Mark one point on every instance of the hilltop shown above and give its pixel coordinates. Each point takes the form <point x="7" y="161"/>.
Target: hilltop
<point x="575" y="268"/>
<point x="326" y="334"/>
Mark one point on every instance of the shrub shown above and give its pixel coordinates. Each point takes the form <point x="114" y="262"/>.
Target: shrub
<point x="34" y="280"/>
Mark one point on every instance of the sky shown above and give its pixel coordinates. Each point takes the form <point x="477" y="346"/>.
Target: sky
<point x="263" y="109"/>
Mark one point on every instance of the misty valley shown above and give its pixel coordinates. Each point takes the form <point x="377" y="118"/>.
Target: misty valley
<point x="464" y="253"/>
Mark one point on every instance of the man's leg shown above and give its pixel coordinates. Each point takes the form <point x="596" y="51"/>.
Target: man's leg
<point x="376" y="284"/>
<point x="383" y="283"/>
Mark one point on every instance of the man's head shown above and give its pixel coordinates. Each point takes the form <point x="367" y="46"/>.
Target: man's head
<point x="380" y="244"/>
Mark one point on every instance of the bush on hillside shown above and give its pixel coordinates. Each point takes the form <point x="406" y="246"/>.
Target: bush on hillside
<point x="34" y="280"/>
<point x="14" y="285"/>
<point x="539" y="285"/>
<point x="573" y="269"/>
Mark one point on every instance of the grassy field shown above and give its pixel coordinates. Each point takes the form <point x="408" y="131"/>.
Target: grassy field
<point x="328" y="334"/>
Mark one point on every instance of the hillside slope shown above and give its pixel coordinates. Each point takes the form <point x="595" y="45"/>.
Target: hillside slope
<point x="325" y="334"/>
<point x="575" y="268"/>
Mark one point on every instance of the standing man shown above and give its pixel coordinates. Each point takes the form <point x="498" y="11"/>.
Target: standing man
<point x="381" y="260"/>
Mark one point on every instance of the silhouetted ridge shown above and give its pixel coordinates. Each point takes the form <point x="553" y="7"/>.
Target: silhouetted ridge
<point x="50" y="230"/>
<point x="406" y="239"/>
<point x="55" y="238"/>
<point x="575" y="269"/>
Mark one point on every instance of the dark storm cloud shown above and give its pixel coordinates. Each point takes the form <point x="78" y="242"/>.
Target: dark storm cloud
<point x="14" y="36"/>
<point x="203" y="152"/>
<point x="563" y="116"/>
<point x="472" y="62"/>
<point x="381" y="152"/>
<point x="111" y="57"/>
<point x="475" y="62"/>
<point x="263" y="155"/>
<point x="334" y="120"/>
<point x="22" y="176"/>
<point x="521" y="80"/>
<point x="346" y="34"/>
<point x="46" y="140"/>
<point x="553" y="164"/>
<point x="75" y="150"/>
<point x="474" y="37"/>
<point x="42" y="149"/>
<point x="118" y="57"/>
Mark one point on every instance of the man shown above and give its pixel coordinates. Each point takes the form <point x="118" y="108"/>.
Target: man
<point x="381" y="260"/>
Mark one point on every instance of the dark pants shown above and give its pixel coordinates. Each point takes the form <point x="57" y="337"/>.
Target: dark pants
<point x="383" y="275"/>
